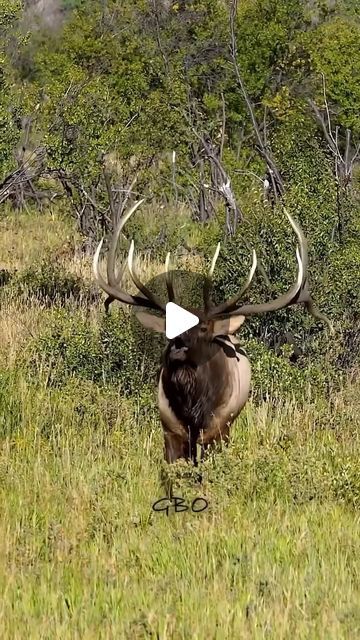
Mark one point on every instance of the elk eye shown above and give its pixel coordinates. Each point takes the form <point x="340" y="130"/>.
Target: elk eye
<point x="203" y="329"/>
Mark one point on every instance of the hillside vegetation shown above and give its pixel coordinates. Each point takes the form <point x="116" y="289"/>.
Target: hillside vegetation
<point x="102" y="103"/>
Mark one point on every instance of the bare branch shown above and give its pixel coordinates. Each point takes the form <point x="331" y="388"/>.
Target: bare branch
<point x="327" y="107"/>
<point x="347" y="149"/>
<point x="224" y="189"/>
<point x="329" y="138"/>
<point x="158" y="35"/>
<point x="355" y="156"/>
<point x="262" y="147"/>
<point x="110" y="197"/>
<point x="128" y="192"/>
<point x="265" y="127"/>
<point x="250" y="173"/>
<point x="223" y="128"/>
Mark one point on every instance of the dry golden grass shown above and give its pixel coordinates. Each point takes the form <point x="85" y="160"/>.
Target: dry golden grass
<point x="24" y="238"/>
<point x="18" y="324"/>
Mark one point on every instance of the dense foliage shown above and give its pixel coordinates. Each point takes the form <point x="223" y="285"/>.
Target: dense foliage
<point x="122" y="85"/>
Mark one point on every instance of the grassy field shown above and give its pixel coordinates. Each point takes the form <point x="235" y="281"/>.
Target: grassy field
<point x="83" y="554"/>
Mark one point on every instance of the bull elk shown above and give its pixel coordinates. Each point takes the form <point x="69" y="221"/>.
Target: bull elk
<point x="204" y="379"/>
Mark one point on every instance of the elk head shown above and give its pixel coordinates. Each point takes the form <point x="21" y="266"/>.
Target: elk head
<point x="204" y="380"/>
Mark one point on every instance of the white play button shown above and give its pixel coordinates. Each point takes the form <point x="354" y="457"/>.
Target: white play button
<point x="178" y="320"/>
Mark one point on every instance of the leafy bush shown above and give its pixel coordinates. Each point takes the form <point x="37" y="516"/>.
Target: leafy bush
<point x="159" y="229"/>
<point x="117" y="350"/>
<point x="5" y="277"/>
<point x="68" y="347"/>
<point x="50" y="283"/>
<point x="315" y="374"/>
<point x="114" y="350"/>
<point x="131" y="355"/>
<point x="341" y="284"/>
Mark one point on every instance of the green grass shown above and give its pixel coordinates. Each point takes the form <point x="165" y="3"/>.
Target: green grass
<point x="83" y="555"/>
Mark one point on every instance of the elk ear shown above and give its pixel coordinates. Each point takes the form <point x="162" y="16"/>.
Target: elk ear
<point x="228" y="325"/>
<point x="155" y="323"/>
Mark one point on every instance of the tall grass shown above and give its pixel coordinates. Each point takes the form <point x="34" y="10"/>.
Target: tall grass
<point x="83" y="554"/>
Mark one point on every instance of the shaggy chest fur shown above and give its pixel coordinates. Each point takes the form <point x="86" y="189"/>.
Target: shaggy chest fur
<point x="192" y="395"/>
<point x="201" y="401"/>
<point x="195" y="392"/>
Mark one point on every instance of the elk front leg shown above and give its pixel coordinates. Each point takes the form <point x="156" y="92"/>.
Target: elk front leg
<point x="175" y="447"/>
<point x="216" y="432"/>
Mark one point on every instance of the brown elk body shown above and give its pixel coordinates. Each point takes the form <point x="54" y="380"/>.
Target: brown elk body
<point x="205" y="378"/>
<point x="198" y="403"/>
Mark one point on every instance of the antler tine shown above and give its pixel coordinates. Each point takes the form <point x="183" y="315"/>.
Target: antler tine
<point x="114" y="279"/>
<point x="298" y="292"/>
<point x="251" y="273"/>
<point x="230" y="305"/>
<point x="114" y="293"/>
<point x="279" y="303"/>
<point x="169" y="279"/>
<point x="208" y="280"/>
<point x="305" y="296"/>
<point x="111" y="287"/>
<point x="316" y="313"/>
<point x="136" y="280"/>
<point x="302" y="242"/>
<point x="214" y="260"/>
<point x="110" y="299"/>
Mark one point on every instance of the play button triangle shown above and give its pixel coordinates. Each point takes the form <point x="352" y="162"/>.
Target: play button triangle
<point x="178" y="320"/>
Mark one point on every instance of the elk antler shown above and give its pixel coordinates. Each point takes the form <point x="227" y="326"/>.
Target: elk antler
<point x="113" y="278"/>
<point x="225" y="307"/>
<point x="298" y="292"/>
<point x="208" y="284"/>
<point x="111" y="287"/>
<point x="169" y="279"/>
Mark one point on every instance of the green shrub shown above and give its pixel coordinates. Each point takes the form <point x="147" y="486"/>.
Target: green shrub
<point x="49" y="283"/>
<point x="67" y="346"/>
<point x="5" y="277"/>
<point x="275" y="376"/>
<point x="131" y="355"/>
<point x="159" y="229"/>
<point x="341" y="285"/>
<point x="114" y="350"/>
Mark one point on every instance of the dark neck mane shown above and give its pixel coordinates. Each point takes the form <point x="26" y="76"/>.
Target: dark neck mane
<point x="194" y="392"/>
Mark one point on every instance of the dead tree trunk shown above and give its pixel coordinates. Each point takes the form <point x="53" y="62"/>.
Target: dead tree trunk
<point x="276" y="184"/>
<point x="344" y="160"/>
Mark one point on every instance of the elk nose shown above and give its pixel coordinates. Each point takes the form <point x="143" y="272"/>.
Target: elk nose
<point x="179" y="343"/>
<point x="178" y="350"/>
